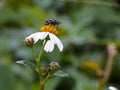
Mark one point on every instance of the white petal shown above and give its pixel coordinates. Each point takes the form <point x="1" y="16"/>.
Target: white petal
<point x="56" y="41"/>
<point x="38" y="35"/>
<point x="112" y="88"/>
<point x="49" y="46"/>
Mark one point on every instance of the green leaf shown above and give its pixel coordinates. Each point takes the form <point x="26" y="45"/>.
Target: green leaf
<point x="60" y="73"/>
<point x="27" y="64"/>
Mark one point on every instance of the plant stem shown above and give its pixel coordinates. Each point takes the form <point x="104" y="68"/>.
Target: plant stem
<point x="40" y="53"/>
<point x="39" y="70"/>
<point x="42" y="85"/>
<point x="106" y="74"/>
<point x="112" y="52"/>
<point x="46" y="79"/>
<point x="38" y="64"/>
<point x="34" y="54"/>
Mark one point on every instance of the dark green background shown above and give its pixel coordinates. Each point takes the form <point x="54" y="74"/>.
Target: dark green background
<point x="86" y="28"/>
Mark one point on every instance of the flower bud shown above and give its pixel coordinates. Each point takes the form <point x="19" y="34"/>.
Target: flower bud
<point x="47" y="70"/>
<point x="54" y="65"/>
<point x="29" y="42"/>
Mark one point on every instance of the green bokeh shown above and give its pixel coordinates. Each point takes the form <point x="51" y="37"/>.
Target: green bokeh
<point x="85" y="30"/>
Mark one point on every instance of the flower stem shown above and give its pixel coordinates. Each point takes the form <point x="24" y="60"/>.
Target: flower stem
<point x="42" y="83"/>
<point x="38" y="64"/>
<point x="34" y="54"/>
<point x="39" y="69"/>
<point x="39" y="56"/>
<point x="42" y="86"/>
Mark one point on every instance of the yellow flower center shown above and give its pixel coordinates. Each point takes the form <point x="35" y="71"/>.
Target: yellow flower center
<point x="49" y="28"/>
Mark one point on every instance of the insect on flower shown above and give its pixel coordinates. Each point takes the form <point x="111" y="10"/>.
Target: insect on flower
<point x="52" y="22"/>
<point x="50" y="31"/>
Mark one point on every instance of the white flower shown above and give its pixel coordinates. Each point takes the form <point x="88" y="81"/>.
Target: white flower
<point x="49" y="45"/>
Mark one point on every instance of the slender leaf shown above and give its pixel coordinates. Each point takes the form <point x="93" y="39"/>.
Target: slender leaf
<point x="27" y="64"/>
<point x="60" y="73"/>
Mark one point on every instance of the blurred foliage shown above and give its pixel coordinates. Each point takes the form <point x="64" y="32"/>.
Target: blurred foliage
<point x="86" y="29"/>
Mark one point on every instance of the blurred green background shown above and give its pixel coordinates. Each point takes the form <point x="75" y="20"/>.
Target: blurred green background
<point x="87" y="26"/>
